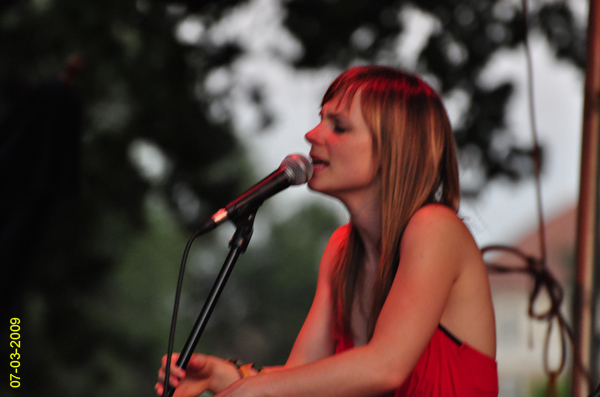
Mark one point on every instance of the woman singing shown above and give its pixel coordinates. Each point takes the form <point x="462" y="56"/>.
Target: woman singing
<point x="403" y="304"/>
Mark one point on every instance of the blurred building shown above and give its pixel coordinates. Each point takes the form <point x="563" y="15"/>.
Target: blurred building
<point x="520" y="349"/>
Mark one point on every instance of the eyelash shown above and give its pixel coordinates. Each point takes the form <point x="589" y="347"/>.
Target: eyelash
<point x="339" y="129"/>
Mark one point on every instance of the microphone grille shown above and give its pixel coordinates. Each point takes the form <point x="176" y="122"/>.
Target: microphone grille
<point x="297" y="168"/>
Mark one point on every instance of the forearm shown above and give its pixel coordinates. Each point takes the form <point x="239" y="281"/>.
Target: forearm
<point x="275" y="368"/>
<point x="358" y="372"/>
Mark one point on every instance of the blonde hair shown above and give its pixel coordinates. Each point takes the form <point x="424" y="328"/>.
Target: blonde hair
<point x="413" y="142"/>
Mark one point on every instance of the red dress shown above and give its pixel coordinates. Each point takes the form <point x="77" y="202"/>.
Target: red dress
<point x="447" y="368"/>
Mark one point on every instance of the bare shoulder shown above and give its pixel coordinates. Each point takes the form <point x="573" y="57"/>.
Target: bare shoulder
<point x="436" y="222"/>
<point x="435" y="213"/>
<point x="438" y="243"/>
<point x="337" y="239"/>
<point x="436" y="231"/>
<point x="340" y="235"/>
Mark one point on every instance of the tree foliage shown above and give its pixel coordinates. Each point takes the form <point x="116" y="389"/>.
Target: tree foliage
<point x="140" y="95"/>
<point x="468" y="34"/>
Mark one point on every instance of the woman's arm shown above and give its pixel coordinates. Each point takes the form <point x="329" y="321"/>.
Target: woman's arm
<point x="431" y="258"/>
<point x="315" y="340"/>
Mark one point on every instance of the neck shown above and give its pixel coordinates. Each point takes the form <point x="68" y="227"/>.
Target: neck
<point x="365" y="214"/>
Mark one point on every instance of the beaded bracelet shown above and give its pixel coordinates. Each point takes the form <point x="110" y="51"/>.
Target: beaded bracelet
<point x="245" y="369"/>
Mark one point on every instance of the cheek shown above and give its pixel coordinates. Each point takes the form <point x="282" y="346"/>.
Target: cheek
<point x="363" y="166"/>
<point x="373" y="169"/>
<point x="365" y="158"/>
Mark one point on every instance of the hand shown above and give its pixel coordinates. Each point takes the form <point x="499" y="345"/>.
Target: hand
<point x="202" y="373"/>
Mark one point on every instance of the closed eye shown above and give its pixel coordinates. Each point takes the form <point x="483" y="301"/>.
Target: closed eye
<point x="335" y="121"/>
<point x="339" y="129"/>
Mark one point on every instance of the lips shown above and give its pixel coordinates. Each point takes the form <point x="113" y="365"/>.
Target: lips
<point x="318" y="163"/>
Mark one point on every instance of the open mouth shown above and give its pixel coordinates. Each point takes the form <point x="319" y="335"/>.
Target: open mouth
<point x="319" y="164"/>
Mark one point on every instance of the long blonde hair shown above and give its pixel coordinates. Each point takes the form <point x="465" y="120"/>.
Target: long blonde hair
<point x="413" y="141"/>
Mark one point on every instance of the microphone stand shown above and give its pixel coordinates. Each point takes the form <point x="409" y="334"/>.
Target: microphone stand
<point x="237" y="246"/>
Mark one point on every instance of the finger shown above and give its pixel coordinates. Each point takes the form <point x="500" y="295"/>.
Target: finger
<point x="174" y="358"/>
<point x="177" y="371"/>
<point x="161" y="374"/>
<point x="160" y="388"/>
<point x="173" y="380"/>
<point x="198" y="361"/>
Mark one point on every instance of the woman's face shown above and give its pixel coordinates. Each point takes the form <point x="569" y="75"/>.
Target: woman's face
<point x="342" y="151"/>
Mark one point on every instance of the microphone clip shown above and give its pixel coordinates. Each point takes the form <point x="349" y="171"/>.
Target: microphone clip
<point x="244" y="224"/>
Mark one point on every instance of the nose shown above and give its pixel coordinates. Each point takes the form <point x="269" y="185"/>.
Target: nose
<point x="312" y="136"/>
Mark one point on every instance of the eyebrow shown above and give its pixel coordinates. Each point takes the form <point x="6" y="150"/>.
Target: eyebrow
<point x="333" y="115"/>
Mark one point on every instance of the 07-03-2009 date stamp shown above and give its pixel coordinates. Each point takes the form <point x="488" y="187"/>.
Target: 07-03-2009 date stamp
<point x="15" y="356"/>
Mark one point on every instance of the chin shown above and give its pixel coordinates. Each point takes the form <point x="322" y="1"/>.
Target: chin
<point x="314" y="186"/>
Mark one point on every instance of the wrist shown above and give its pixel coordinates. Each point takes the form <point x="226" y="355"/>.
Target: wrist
<point x="224" y="374"/>
<point x="246" y="370"/>
<point x="250" y="369"/>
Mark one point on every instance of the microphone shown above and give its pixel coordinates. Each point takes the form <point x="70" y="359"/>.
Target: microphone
<point x="295" y="169"/>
